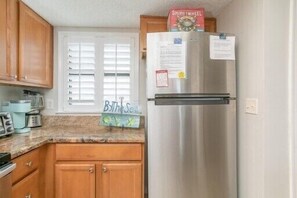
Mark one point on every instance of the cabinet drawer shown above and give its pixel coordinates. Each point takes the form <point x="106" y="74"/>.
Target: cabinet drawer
<point x="98" y="152"/>
<point x="28" y="187"/>
<point x="25" y="165"/>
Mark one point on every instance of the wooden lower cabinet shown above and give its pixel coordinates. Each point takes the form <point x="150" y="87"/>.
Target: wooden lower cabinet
<point x="99" y="171"/>
<point x="75" y="180"/>
<point x="33" y="176"/>
<point x="92" y="171"/>
<point x="109" y="180"/>
<point x="121" y="180"/>
<point x="28" y="187"/>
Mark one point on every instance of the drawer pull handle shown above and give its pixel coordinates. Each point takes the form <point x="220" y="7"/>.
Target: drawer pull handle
<point x="91" y="170"/>
<point x="28" y="196"/>
<point x="29" y="164"/>
<point x="104" y="169"/>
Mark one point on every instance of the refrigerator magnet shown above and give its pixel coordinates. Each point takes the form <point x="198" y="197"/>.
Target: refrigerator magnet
<point x="181" y="75"/>
<point x="162" y="78"/>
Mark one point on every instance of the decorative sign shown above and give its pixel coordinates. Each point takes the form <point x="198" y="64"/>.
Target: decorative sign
<point x="120" y="115"/>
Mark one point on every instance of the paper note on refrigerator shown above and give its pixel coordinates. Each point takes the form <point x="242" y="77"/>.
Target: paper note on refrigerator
<point x="222" y="48"/>
<point x="173" y="58"/>
<point x="162" y="78"/>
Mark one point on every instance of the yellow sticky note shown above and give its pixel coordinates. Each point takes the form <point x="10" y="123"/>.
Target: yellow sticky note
<point x="181" y="74"/>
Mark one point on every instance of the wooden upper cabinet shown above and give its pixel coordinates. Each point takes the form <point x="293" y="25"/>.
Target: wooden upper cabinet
<point x="210" y="25"/>
<point x="121" y="180"/>
<point x="150" y="24"/>
<point x="8" y="39"/>
<point x="36" y="48"/>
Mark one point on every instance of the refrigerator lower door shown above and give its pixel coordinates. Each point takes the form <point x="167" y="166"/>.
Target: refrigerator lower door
<point x="192" y="151"/>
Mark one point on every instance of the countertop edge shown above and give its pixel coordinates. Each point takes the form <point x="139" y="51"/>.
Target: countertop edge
<point x="22" y="151"/>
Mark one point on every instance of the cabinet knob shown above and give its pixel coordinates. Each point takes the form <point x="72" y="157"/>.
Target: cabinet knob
<point x="29" y="164"/>
<point x="104" y="169"/>
<point x="28" y="196"/>
<point x="91" y="170"/>
<point x="25" y="77"/>
<point x="13" y="76"/>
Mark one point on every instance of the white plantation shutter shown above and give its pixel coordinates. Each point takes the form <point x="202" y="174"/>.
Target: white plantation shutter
<point x="117" y="71"/>
<point x="80" y="89"/>
<point x="97" y="68"/>
<point x="81" y="74"/>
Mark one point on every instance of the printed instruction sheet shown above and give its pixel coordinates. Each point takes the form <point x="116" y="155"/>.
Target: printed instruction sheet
<point x="222" y="48"/>
<point x="173" y="58"/>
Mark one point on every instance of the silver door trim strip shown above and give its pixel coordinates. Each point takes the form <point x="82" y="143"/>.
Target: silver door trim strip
<point x="6" y="170"/>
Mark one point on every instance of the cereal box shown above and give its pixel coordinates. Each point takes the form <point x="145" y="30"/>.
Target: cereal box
<point x="186" y="20"/>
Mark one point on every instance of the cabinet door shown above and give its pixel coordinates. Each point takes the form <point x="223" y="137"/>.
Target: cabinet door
<point x="159" y="24"/>
<point x="75" y="180"/>
<point x="8" y="39"/>
<point x="28" y="187"/>
<point x="151" y="24"/>
<point x="35" y="64"/>
<point x="3" y="36"/>
<point x="121" y="180"/>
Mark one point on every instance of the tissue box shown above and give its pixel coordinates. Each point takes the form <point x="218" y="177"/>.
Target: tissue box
<point x="186" y="20"/>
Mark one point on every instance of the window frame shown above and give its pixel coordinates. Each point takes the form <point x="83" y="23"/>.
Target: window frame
<point x="99" y="38"/>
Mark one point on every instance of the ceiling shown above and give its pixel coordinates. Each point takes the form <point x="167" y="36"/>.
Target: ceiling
<point x="113" y="13"/>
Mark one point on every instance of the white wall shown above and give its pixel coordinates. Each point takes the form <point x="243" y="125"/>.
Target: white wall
<point x="262" y="30"/>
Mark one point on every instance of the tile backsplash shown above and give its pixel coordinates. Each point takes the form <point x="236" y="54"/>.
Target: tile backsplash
<point x="10" y="93"/>
<point x="79" y="121"/>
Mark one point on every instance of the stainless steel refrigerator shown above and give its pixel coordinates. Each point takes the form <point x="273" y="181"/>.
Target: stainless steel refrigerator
<point x="191" y="118"/>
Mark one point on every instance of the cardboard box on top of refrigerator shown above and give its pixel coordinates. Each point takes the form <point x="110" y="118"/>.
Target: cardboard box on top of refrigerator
<point x="186" y="20"/>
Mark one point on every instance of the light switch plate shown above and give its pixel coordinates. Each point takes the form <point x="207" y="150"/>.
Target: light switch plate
<point x="251" y="106"/>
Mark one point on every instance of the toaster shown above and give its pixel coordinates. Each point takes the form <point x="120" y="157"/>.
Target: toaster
<point x="6" y="125"/>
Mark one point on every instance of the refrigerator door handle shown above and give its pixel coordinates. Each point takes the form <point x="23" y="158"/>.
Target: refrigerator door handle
<point x="193" y="101"/>
<point x="192" y="95"/>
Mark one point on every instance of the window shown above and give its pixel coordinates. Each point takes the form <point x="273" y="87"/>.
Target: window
<point x="95" y="68"/>
<point x="117" y="61"/>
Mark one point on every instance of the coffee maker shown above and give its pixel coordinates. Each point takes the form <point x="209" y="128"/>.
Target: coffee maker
<point x="33" y="117"/>
<point x="18" y="110"/>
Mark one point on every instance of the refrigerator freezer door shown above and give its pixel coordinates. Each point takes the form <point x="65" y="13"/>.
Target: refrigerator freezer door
<point x="192" y="151"/>
<point x="203" y="75"/>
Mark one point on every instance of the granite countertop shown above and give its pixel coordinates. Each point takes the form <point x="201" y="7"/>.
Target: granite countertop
<point x="18" y="144"/>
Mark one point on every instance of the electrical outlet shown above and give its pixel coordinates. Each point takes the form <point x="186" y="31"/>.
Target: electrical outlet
<point x="251" y="106"/>
<point x="49" y="104"/>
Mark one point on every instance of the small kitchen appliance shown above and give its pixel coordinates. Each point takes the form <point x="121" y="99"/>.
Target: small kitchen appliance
<point x="6" y="126"/>
<point x="18" y="110"/>
<point x="33" y="118"/>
